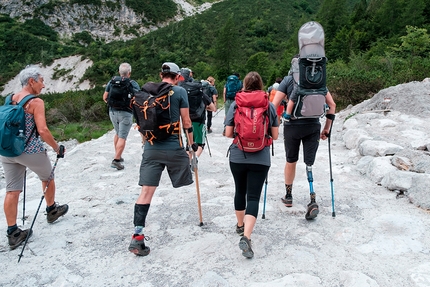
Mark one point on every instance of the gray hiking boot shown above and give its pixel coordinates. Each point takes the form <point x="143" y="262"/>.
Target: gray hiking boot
<point x="287" y="200"/>
<point x="240" y="229"/>
<point x="137" y="245"/>
<point x="117" y="164"/>
<point x="17" y="237"/>
<point x="59" y="210"/>
<point x="245" y="246"/>
<point x="312" y="211"/>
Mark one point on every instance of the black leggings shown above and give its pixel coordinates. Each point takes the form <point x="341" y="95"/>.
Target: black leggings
<point x="249" y="180"/>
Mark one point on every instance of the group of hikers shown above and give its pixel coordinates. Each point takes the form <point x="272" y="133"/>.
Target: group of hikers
<point x="249" y="169"/>
<point x="178" y="105"/>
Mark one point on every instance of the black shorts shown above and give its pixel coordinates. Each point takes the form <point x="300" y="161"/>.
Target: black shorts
<point x="154" y="162"/>
<point x="309" y="135"/>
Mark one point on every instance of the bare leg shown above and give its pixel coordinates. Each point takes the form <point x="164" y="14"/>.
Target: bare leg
<point x="119" y="147"/>
<point x="249" y="225"/>
<point x="240" y="215"/>
<point x="10" y="206"/>
<point x="146" y="194"/>
<point x="50" y="192"/>
<point x="290" y="172"/>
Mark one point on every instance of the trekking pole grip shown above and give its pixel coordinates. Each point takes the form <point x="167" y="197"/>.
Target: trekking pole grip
<point x="61" y="152"/>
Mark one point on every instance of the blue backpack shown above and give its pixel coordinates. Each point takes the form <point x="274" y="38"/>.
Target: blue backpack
<point x="12" y="127"/>
<point x="232" y="86"/>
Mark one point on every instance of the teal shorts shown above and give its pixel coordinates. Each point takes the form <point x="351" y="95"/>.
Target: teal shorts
<point x="199" y="133"/>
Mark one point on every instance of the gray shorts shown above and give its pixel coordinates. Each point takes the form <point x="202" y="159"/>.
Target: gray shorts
<point x="227" y="105"/>
<point x="122" y="122"/>
<point x="154" y="162"/>
<point x="14" y="168"/>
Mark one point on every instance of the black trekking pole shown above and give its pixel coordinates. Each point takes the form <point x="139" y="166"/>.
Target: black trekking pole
<point x="331" y="117"/>
<point x="209" y="148"/>
<point x="23" y="202"/>
<point x="51" y="176"/>
<point x="264" y="204"/>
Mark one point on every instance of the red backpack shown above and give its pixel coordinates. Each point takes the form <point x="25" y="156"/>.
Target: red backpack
<point x="251" y="121"/>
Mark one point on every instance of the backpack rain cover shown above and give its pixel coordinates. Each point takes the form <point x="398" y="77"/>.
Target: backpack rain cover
<point x="251" y="121"/>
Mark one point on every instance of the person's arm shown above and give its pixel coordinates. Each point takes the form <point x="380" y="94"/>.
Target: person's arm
<point x="211" y="107"/>
<point x="187" y="125"/>
<point x="274" y="129"/>
<point x="330" y="113"/>
<point x="229" y="121"/>
<point x="105" y="96"/>
<point x="223" y="94"/>
<point x="229" y="131"/>
<point x="37" y="108"/>
<point x="279" y="96"/>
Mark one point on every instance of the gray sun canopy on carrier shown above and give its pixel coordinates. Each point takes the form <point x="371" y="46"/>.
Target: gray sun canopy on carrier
<point x="311" y="40"/>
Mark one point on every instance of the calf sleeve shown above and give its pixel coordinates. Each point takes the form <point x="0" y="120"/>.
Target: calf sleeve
<point x="140" y="212"/>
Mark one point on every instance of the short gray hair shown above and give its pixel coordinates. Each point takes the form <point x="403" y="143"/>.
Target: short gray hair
<point x="124" y="69"/>
<point x="31" y="71"/>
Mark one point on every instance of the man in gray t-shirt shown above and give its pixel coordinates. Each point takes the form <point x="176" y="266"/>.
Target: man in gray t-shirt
<point x="161" y="154"/>
<point x="301" y="131"/>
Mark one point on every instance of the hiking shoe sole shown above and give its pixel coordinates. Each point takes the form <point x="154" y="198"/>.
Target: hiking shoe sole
<point x="117" y="165"/>
<point x="57" y="212"/>
<point x="312" y="211"/>
<point x="137" y="249"/>
<point x="288" y="202"/>
<point x="245" y="246"/>
<point x="21" y="236"/>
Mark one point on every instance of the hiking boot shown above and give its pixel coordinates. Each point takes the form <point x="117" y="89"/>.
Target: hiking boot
<point x="240" y="229"/>
<point x="59" y="210"/>
<point x="312" y="210"/>
<point x="287" y="200"/>
<point x="209" y="131"/>
<point x="245" y="246"/>
<point x="17" y="237"/>
<point x="137" y="245"/>
<point x="117" y="164"/>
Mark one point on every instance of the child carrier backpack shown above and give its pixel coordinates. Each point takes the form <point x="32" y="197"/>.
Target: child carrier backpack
<point x="195" y="100"/>
<point x="311" y="88"/>
<point x="251" y="121"/>
<point x="120" y="94"/>
<point x="12" y="127"/>
<point x="151" y="109"/>
<point x="232" y="86"/>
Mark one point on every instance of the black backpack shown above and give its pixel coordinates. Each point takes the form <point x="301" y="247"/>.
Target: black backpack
<point x="120" y="94"/>
<point x="195" y="100"/>
<point x="311" y="88"/>
<point x="151" y="109"/>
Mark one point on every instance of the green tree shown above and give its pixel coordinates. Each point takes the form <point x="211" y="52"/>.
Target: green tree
<point x="415" y="44"/>
<point x="259" y="62"/>
<point x="225" y="48"/>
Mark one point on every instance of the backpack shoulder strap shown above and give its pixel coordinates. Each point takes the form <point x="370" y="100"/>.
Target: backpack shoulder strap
<point x="26" y="99"/>
<point x="8" y="99"/>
